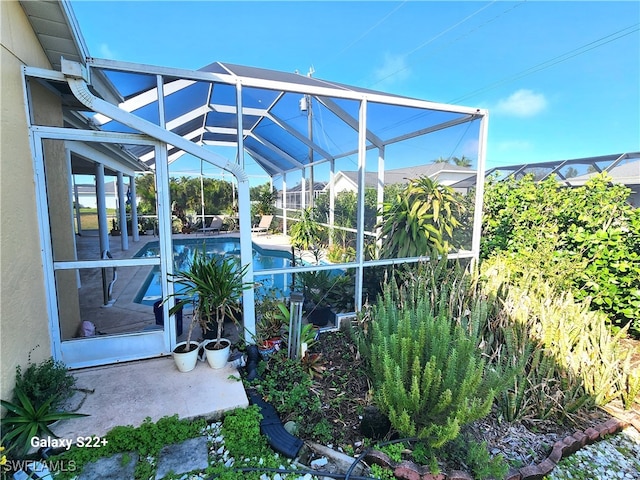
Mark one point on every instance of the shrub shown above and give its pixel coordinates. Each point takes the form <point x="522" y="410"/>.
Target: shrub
<point x="46" y="381"/>
<point x="429" y="377"/>
<point x="569" y="355"/>
<point x="586" y="239"/>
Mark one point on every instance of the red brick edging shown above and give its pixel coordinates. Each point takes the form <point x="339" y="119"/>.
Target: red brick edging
<point x="407" y="470"/>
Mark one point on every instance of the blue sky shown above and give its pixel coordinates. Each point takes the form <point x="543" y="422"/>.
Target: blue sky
<point x="560" y="79"/>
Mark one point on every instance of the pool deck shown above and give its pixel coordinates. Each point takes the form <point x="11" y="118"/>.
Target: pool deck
<point x="125" y="314"/>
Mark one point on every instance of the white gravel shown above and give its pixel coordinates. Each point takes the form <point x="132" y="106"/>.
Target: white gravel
<point x="616" y="457"/>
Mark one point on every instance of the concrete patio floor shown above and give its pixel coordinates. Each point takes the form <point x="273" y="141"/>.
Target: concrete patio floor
<point x="127" y="393"/>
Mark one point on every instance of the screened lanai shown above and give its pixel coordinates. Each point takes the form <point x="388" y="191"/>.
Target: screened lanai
<point x="298" y="130"/>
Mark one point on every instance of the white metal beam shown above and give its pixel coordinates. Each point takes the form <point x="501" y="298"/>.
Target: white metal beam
<point x="277" y="150"/>
<point x="288" y="128"/>
<point x="322" y="88"/>
<point x="145" y="98"/>
<point x="263" y="160"/>
<point x="75" y="78"/>
<point x="246" y="244"/>
<point x="434" y="128"/>
<point x="477" y="213"/>
<point x="349" y="120"/>
<point x="231" y="109"/>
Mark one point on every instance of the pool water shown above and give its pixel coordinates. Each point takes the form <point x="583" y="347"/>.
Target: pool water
<point x="184" y="250"/>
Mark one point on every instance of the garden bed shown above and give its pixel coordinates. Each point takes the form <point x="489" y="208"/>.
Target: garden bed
<point x="344" y="391"/>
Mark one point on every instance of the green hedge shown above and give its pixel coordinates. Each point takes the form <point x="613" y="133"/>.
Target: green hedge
<point x="584" y="239"/>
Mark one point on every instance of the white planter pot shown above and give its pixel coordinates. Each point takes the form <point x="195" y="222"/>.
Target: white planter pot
<point x="217" y="358"/>
<point x="186" y="361"/>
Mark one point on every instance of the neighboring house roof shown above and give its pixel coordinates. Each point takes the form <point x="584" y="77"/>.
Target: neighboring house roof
<point x="402" y="175"/>
<point x="626" y="174"/>
<point x="317" y="186"/>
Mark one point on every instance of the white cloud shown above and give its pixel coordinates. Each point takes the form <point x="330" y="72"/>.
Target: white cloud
<point x="523" y="103"/>
<point x="513" y="145"/>
<point x="104" y="51"/>
<point x="394" y="69"/>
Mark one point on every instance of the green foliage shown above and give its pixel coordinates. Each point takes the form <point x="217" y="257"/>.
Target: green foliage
<point x="26" y="420"/>
<point x="307" y="233"/>
<point x="394" y="450"/>
<point x="186" y="195"/>
<point x="345" y="210"/>
<point x="570" y="358"/>
<point x="288" y="387"/>
<point x="585" y="239"/>
<point x="241" y="431"/>
<point x="381" y="473"/>
<point x="341" y="254"/>
<point x="214" y="285"/>
<point x="272" y="315"/>
<point x="264" y="197"/>
<point x="476" y="457"/>
<point x="146" y="193"/>
<point x="322" y="287"/>
<point x="146" y="440"/>
<point x="419" y="219"/>
<point x="429" y="377"/>
<point x="322" y="432"/>
<point x="342" y="292"/>
<point x="46" y="381"/>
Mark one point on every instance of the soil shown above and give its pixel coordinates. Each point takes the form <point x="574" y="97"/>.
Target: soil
<point x="345" y="391"/>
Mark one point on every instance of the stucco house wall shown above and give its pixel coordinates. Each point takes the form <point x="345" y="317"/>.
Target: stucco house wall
<point x="23" y="313"/>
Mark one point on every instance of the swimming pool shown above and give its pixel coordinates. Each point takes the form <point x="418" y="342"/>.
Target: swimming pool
<point x="184" y="249"/>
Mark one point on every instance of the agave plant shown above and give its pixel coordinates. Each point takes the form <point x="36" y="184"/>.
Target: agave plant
<point x="25" y="421"/>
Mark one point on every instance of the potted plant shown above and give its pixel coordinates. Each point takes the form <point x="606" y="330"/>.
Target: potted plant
<point x="315" y="287"/>
<point x="224" y="295"/>
<point x="115" y="229"/>
<point x="270" y="319"/>
<point x="214" y="285"/>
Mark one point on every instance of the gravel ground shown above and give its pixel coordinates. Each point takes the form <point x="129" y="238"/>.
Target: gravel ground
<point x="617" y="457"/>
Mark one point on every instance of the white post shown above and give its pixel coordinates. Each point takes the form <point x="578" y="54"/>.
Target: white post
<point x="477" y="212"/>
<point x="332" y="199"/>
<point x="362" y="159"/>
<point x="101" y="206"/>
<point x="380" y="192"/>
<point x="204" y="221"/>
<point x="135" y="234"/>
<point x="284" y="204"/>
<point x="244" y="220"/>
<point x="77" y="202"/>
<point x="163" y="199"/>
<point x="122" y="212"/>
